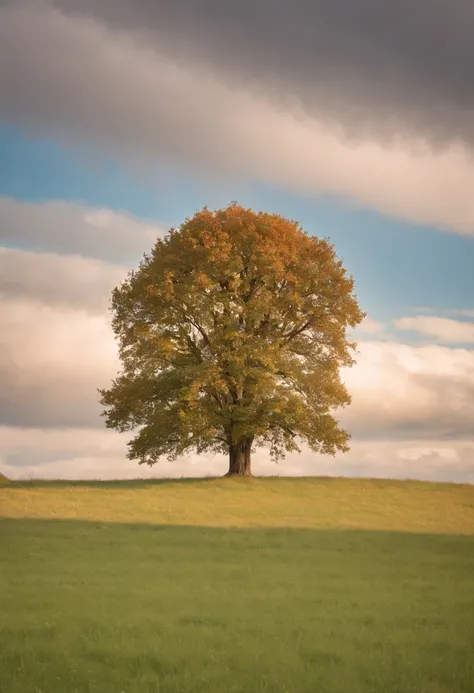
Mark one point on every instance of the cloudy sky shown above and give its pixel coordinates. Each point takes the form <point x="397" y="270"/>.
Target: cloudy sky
<point x="118" y="118"/>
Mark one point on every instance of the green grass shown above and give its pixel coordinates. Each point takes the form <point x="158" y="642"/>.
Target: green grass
<point x="257" y="586"/>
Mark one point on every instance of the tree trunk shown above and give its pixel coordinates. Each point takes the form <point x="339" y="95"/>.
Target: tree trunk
<point x="239" y="459"/>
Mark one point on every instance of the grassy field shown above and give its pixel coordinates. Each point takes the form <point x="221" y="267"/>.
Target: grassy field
<point x="219" y="586"/>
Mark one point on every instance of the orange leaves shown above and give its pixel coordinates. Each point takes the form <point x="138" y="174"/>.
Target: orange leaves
<point x="152" y="290"/>
<point x="203" y="281"/>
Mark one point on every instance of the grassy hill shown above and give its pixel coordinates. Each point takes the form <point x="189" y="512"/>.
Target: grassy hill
<point x="233" y="586"/>
<point x="329" y="503"/>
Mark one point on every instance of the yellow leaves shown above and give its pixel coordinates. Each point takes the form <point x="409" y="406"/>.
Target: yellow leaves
<point x="168" y="284"/>
<point x="165" y="346"/>
<point x="142" y="331"/>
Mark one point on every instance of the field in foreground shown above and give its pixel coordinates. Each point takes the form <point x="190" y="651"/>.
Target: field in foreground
<point x="219" y="586"/>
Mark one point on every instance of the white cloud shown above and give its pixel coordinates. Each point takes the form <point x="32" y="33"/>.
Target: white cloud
<point x="72" y="229"/>
<point x="411" y="392"/>
<point x="86" y="453"/>
<point x="116" y="94"/>
<point x="52" y="360"/>
<point x="69" y="281"/>
<point x="36" y="447"/>
<point x="426" y="460"/>
<point x="100" y="454"/>
<point x="371" y="326"/>
<point x="444" y="330"/>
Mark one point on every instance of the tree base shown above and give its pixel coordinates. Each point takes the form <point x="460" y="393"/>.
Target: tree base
<point x="242" y="474"/>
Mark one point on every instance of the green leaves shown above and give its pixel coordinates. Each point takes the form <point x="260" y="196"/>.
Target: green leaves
<point x="232" y="329"/>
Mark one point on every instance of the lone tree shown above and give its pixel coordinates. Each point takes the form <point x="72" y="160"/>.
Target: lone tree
<point x="231" y="333"/>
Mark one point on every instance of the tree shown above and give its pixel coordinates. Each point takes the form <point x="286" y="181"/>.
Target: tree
<point x="231" y="333"/>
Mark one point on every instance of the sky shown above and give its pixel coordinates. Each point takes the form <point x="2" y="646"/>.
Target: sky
<point x="119" y="118"/>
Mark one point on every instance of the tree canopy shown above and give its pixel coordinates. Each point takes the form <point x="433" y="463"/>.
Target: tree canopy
<point x="231" y="334"/>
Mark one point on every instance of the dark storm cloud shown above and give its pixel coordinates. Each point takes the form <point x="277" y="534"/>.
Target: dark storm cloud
<point x="158" y="83"/>
<point x="377" y="68"/>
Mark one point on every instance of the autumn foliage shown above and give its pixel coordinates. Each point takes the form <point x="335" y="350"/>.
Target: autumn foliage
<point x="231" y="335"/>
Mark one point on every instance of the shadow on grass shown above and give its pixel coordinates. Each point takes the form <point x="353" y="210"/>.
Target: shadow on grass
<point x="373" y="544"/>
<point x="94" y="606"/>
